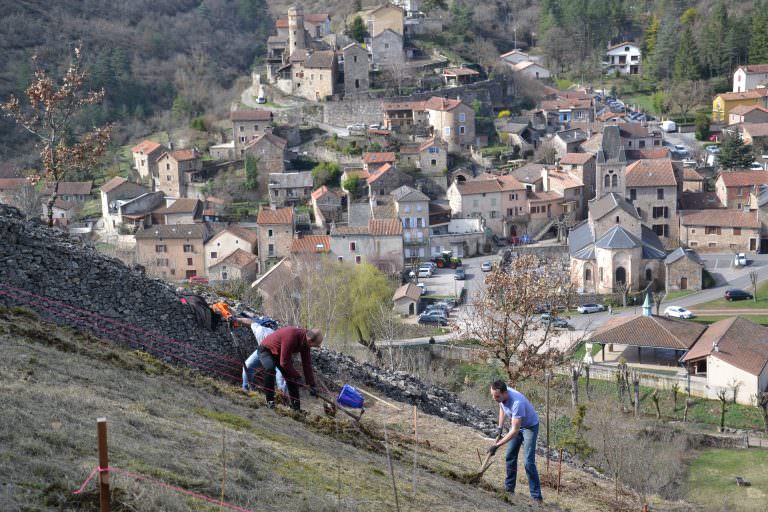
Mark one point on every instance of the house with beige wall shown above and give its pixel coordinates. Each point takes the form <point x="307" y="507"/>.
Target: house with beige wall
<point x="275" y="234"/>
<point x="652" y="189"/>
<point x="173" y="252"/>
<point x="749" y="77"/>
<point x="736" y="189"/>
<point x="178" y="169"/>
<point x="145" y="155"/>
<point x="247" y="125"/>
<point x="239" y="264"/>
<point x="227" y="241"/>
<point x="748" y="114"/>
<point x="412" y="209"/>
<point x="452" y="121"/>
<point x="381" y="18"/>
<point x="582" y="166"/>
<point x="270" y="152"/>
<point x="379" y="243"/>
<point x="500" y="201"/>
<point x="720" y="230"/>
<point x="684" y="270"/>
<point x="406" y="299"/>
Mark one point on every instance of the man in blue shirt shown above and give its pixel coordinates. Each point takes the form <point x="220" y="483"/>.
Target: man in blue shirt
<point x="523" y="430"/>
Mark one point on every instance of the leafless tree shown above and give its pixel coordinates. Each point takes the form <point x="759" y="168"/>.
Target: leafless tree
<point x="688" y="405"/>
<point x="753" y="280"/>
<point x="575" y="372"/>
<point x="503" y="316"/>
<point x="50" y="115"/>
<point x="722" y="395"/>
<point x="655" y="399"/>
<point x="733" y="386"/>
<point x="675" y="390"/>
<point x="762" y="402"/>
<point x="622" y="290"/>
<point x="27" y="199"/>
<point x="687" y="95"/>
<point x="635" y="376"/>
<point x="546" y="153"/>
<point x="658" y="298"/>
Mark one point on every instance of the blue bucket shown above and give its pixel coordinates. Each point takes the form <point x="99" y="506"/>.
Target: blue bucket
<point x="350" y="397"/>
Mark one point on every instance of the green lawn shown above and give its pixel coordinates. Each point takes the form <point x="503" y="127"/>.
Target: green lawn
<point x="712" y="483"/>
<point x="676" y="294"/>
<point x="760" y="303"/>
<point x="578" y="355"/>
<point x="710" y="319"/>
<point x="644" y="101"/>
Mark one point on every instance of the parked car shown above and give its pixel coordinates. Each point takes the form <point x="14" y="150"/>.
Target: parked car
<point x="460" y="275"/>
<point x="375" y="126"/>
<point x="689" y="162"/>
<point x="429" y="264"/>
<point x="357" y="127"/>
<point x="736" y="294"/>
<point x="425" y="272"/>
<point x="198" y="280"/>
<point x="486" y="266"/>
<point x="678" y="312"/>
<point x="756" y="166"/>
<point x="714" y="138"/>
<point x="713" y="149"/>
<point x="669" y="126"/>
<point x="432" y="311"/>
<point x="590" y="308"/>
<point x="554" y="321"/>
<point x="740" y="260"/>
<point x="426" y="319"/>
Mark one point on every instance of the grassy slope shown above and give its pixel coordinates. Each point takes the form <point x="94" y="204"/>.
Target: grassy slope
<point x="760" y="303"/>
<point x="713" y="485"/>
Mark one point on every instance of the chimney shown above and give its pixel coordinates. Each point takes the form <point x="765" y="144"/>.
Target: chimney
<point x="715" y="346"/>
<point x="545" y="179"/>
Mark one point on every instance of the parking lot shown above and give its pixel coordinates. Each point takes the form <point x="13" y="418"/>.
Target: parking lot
<point x="442" y="284"/>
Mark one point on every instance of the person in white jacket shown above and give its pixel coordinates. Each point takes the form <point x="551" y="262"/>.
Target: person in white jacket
<point x="259" y="332"/>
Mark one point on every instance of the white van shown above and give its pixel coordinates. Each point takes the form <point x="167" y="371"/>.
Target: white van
<point x="669" y="126"/>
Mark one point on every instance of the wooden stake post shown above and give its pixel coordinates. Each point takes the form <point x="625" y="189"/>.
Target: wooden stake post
<point x="101" y="430"/>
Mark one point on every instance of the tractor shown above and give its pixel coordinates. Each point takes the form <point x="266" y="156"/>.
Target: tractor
<point x="447" y="260"/>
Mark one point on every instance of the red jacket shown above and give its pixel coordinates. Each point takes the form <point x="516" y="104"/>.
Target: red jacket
<point x="285" y="342"/>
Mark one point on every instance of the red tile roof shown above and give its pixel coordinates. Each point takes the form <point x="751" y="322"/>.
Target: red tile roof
<point x="746" y="95"/>
<point x="146" y="146"/>
<point x="745" y="109"/>
<point x="385" y="227"/>
<point x="691" y="174"/>
<point x="250" y="115"/>
<point x="428" y="144"/>
<point x="181" y="155"/>
<point x="409" y="291"/>
<point x="755" y="129"/>
<point x="268" y="137"/>
<point x="378" y="173"/>
<point x="744" y="178"/>
<point x="403" y="105"/>
<point x="13" y="183"/>
<point x="113" y="184"/>
<point x="279" y="216"/>
<point x="651" y="173"/>
<point x="317" y="194"/>
<point x="509" y="182"/>
<point x="248" y="235"/>
<point x="755" y="68"/>
<point x="181" y="205"/>
<point x="649" y="331"/>
<point x="378" y="158"/>
<point x="309" y="244"/>
<point x="238" y="258"/>
<point x="566" y="104"/>
<point x="482" y="186"/>
<point x="576" y="158"/>
<point x="699" y="201"/>
<point x="538" y="197"/>
<point x="443" y="104"/>
<point x="722" y="218"/>
<point x="739" y="343"/>
<point x="70" y="188"/>
<point x="647" y="153"/>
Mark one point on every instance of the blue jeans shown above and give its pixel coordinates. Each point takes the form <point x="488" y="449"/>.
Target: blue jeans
<point x="250" y="366"/>
<point x="527" y="439"/>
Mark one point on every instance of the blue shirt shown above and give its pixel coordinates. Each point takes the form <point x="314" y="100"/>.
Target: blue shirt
<point x="517" y="406"/>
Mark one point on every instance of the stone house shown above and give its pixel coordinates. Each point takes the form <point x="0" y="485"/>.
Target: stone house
<point x="459" y="76"/>
<point x="501" y="201"/>
<point x="247" y="125"/>
<point x="382" y="18"/>
<point x="582" y="166"/>
<point x="406" y="299"/>
<point x="181" y="211"/>
<point x="279" y="281"/>
<point x="755" y="134"/>
<point x="749" y="77"/>
<point x="379" y="243"/>
<point x="356" y="68"/>
<point x="384" y="180"/>
<point x="178" y="169"/>
<point x="452" y="121"/>
<point x="570" y="190"/>
<point x="230" y="239"/>
<point x="275" y="230"/>
<point x="636" y="136"/>
<point x="623" y="58"/>
<point x="748" y="114"/>
<point x="733" y="350"/>
<point x="431" y="156"/>
<point x="563" y="111"/>
<point x="652" y="189"/>
<point x="319" y="76"/>
<point x="326" y="205"/>
<point x="412" y="208"/>
<point x="270" y="152"/>
<point x="719" y="230"/>
<point x="722" y="104"/>
<point x="289" y="189"/>
<point x="532" y="70"/>
<point x="736" y="190"/>
<point x="72" y="191"/>
<point x="145" y="155"/>
<point x="693" y="181"/>
<point x="683" y="270"/>
<point x="309" y="246"/>
<point x="387" y="52"/>
<point x="63" y="211"/>
<point x="568" y="141"/>
<point x="173" y="252"/>
<point x="12" y="188"/>
<point x="612" y="246"/>
<point x="238" y="265"/>
<point x="374" y="161"/>
<point x="117" y="193"/>
<point x="402" y="116"/>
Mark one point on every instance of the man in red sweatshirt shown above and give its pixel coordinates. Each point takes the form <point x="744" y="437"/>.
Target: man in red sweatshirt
<point x="277" y="350"/>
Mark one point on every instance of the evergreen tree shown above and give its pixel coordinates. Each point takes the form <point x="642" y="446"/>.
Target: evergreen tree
<point x="251" y="173"/>
<point x="734" y="154"/>
<point x="738" y="41"/>
<point x="663" y="57"/>
<point x="758" y="47"/>
<point x="715" y="34"/>
<point x="687" y="59"/>
<point x="651" y="33"/>
<point x="357" y="30"/>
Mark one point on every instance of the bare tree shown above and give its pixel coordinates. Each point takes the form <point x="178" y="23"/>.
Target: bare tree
<point x="733" y="386"/>
<point x="658" y="298"/>
<point x="753" y="280"/>
<point x="688" y="405"/>
<point x="635" y="376"/>
<point x="722" y="395"/>
<point x="687" y="95"/>
<point x="51" y="116"/>
<point x="503" y="316"/>
<point x="546" y="153"/>
<point x="675" y="390"/>
<point x="622" y="290"/>
<point x="575" y="373"/>
<point x="655" y="399"/>
<point x="27" y="200"/>
<point x="762" y="402"/>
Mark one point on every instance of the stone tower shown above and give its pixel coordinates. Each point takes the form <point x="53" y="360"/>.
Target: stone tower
<point x="611" y="160"/>
<point x="296" y="37"/>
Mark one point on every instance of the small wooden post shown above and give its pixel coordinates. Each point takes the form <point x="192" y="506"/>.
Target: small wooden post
<point x="559" y="470"/>
<point x="101" y="430"/>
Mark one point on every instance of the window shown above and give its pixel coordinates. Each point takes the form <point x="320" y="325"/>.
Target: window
<point x="660" y="212"/>
<point x="462" y="117"/>
<point x="162" y="262"/>
<point x="712" y="244"/>
<point x="419" y="236"/>
<point x="340" y="258"/>
<point x="447" y="131"/>
<point x="632" y="194"/>
<point x="712" y="230"/>
<point x="614" y="181"/>
<point x="475" y="203"/>
<point x="242" y="139"/>
<point x="601" y="275"/>
<point x="513" y="196"/>
<point x="661" y="229"/>
<point x="629" y="143"/>
<point x="433" y="162"/>
<point x="618" y="220"/>
<point x="462" y="130"/>
<point x="407" y="208"/>
<point x="189" y="262"/>
<point x="161" y="248"/>
<point x="588" y="275"/>
<point x="607" y="181"/>
<point x="641" y="144"/>
<point x="167" y="167"/>
<point x="358" y="260"/>
<point x="224" y="276"/>
<point x="271" y="250"/>
<point x="493" y="201"/>
<point x="214" y="255"/>
<point x="737" y="231"/>
<point x="418" y="208"/>
<point x="167" y="177"/>
<point x="188" y="248"/>
<point x="659" y="193"/>
<point x="269" y="233"/>
<point x="354" y="58"/>
<point x="386" y="46"/>
<point x="357" y="81"/>
<point x="694" y="244"/>
<point x="242" y="128"/>
<point x="352" y="246"/>
<point x="494" y="214"/>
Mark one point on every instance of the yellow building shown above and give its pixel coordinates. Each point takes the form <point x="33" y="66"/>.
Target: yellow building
<point x="722" y="104"/>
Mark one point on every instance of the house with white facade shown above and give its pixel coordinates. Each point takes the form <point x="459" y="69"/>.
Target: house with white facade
<point x="623" y="57"/>
<point x="746" y="78"/>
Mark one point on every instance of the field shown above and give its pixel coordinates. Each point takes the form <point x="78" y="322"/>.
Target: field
<point x="712" y="483"/>
<point x="760" y="303"/>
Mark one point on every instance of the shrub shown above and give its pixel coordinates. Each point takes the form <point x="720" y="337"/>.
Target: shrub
<point x="503" y="114"/>
<point x="702" y="126"/>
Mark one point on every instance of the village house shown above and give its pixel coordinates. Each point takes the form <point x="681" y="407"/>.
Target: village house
<point x="72" y="191"/>
<point x="386" y="179"/>
<point x="636" y="136"/>
<point x="737" y="190"/>
<point x="173" y="252"/>
<point x="720" y="230"/>
<point x="279" y="281"/>
<point x="240" y="265"/>
<point x="722" y="104"/>
<point x="732" y="351"/>
<point x="452" y="121"/>
<point x="326" y="205"/>
<point x="356" y="69"/>
<point x="310" y="246"/>
<point x="613" y="247"/>
<point x="582" y="166"/>
<point x="651" y="187"/>
<point x="693" y="181"/>
<point x="569" y="190"/>
<point x="20" y="193"/>
<point x="387" y="51"/>
<point x="406" y="299"/>
<point x="755" y="134"/>
<point x="623" y="58"/>
<point x="145" y="155"/>
<point x="270" y="152"/>
<point x="127" y="203"/>
<point x="532" y="70"/>
<point x="178" y="171"/>
<point x="379" y="243"/>
<point x="228" y="240"/>
<point x="180" y="211"/>
<point x="568" y="141"/>
<point x="316" y="25"/>
<point x="517" y="56"/>
<point x="247" y="125"/>
<point x="275" y="230"/>
<point x="431" y="157"/>
<point x="412" y="208"/>
<point x="500" y="201"/>
<point x="459" y="76"/>
<point x="289" y="189"/>
<point x="748" y="114"/>
<point x="63" y="211"/>
<point x="319" y="76"/>
<point x="684" y="270"/>
<point x="559" y="112"/>
<point x="749" y="77"/>
<point x="374" y="161"/>
<point x="382" y="18"/>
